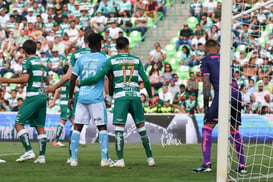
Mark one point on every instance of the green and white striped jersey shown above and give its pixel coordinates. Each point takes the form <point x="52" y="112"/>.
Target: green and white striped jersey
<point x="77" y="54"/>
<point x="126" y="70"/>
<point x="38" y="74"/>
<point x="55" y="61"/>
<point x="48" y="26"/>
<point x="64" y="94"/>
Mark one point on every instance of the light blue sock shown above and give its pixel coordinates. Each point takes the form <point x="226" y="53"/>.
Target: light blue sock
<point x="104" y="144"/>
<point x="75" y="138"/>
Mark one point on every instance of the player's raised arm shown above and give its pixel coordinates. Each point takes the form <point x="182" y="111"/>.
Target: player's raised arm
<point x="64" y="79"/>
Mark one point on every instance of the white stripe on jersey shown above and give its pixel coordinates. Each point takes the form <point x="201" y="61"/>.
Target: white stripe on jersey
<point x="63" y="89"/>
<point x="122" y="84"/>
<point x="63" y="102"/>
<point x="35" y="63"/>
<point x="128" y="72"/>
<point x="37" y="73"/>
<point x="119" y="60"/>
<point x="29" y="94"/>
<point x="38" y="84"/>
<point x="123" y="94"/>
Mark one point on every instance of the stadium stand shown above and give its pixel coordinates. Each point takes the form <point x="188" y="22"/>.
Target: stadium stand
<point x="58" y="29"/>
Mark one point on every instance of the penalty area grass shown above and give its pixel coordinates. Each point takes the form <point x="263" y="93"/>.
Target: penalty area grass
<point x="174" y="163"/>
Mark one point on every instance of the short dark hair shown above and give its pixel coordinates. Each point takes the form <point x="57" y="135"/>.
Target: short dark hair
<point x="94" y="40"/>
<point x="211" y="43"/>
<point x="122" y="42"/>
<point x="87" y="34"/>
<point x="20" y="98"/>
<point x="30" y="47"/>
<point x="182" y="86"/>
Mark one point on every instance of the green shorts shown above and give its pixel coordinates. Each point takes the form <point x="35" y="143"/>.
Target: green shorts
<point x="66" y="113"/>
<point x="123" y="107"/>
<point x="32" y="111"/>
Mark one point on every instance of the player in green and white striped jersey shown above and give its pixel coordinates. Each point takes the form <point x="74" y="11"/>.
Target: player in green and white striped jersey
<point x="126" y="70"/>
<point x="65" y="111"/>
<point x="33" y="109"/>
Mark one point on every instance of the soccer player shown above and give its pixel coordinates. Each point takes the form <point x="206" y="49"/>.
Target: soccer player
<point x="126" y="69"/>
<point x="210" y="68"/>
<point x="66" y="113"/>
<point x="67" y="76"/>
<point x="90" y="103"/>
<point x="33" y="109"/>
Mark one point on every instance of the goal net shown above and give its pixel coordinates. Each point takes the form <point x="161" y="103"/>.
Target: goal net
<point x="252" y="62"/>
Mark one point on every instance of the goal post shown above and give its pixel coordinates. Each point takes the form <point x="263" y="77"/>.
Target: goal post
<point x="224" y="90"/>
<point x="225" y="152"/>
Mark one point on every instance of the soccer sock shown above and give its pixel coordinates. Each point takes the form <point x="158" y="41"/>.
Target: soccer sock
<point x="239" y="146"/>
<point x="59" y="131"/>
<point x="42" y="139"/>
<point x="145" y="141"/>
<point x="23" y="135"/>
<point x="83" y="133"/>
<point x="206" y="144"/>
<point x="69" y="141"/>
<point x="75" y="138"/>
<point x="119" y="141"/>
<point x="104" y="144"/>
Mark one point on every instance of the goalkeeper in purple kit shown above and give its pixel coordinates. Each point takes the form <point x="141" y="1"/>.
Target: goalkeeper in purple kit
<point x="210" y="68"/>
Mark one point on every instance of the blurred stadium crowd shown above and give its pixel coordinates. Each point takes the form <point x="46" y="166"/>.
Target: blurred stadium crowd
<point x="58" y="27"/>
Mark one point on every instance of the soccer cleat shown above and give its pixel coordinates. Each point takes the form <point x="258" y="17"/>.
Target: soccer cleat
<point x="68" y="161"/>
<point x="26" y="156"/>
<point x="73" y="162"/>
<point x="119" y="163"/>
<point x="58" y="143"/>
<point x="40" y="160"/>
<point x="2" y="161"/>
<point x="82" y="142"/>
<point x="151" y="162"/>
<point x="241" y="170"/>
<point x="106" y="162"/>
<point x="203" y="168"/>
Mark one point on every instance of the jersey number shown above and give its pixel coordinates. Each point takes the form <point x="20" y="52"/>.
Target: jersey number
<point x="131" y="68"/>
<point x="87" y="74"/>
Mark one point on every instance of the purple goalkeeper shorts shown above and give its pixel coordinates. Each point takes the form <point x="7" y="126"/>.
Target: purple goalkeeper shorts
<point x="236" y="106"/>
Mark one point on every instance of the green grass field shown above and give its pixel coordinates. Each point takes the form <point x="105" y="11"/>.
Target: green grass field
<point x="174" y="163"/>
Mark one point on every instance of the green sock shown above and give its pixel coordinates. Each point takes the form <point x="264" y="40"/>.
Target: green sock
<point x="42" y="140"/>
<point x="145" y="141"/>
<point x="23" y="135"/>
<point x="119" y="141"/>
<point x="59" y="132"/>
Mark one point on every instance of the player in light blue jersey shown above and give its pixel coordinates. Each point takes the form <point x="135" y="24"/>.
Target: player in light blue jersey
<point x="90" y="103"/>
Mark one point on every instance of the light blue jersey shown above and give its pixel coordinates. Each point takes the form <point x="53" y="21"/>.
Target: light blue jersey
<point x="87" y="66"/>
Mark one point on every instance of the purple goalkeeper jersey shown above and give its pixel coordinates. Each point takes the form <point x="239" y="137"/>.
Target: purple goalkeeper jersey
<point x="210" y="65"/>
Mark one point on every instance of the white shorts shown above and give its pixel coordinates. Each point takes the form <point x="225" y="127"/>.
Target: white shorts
<point x="95" y="112"/>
